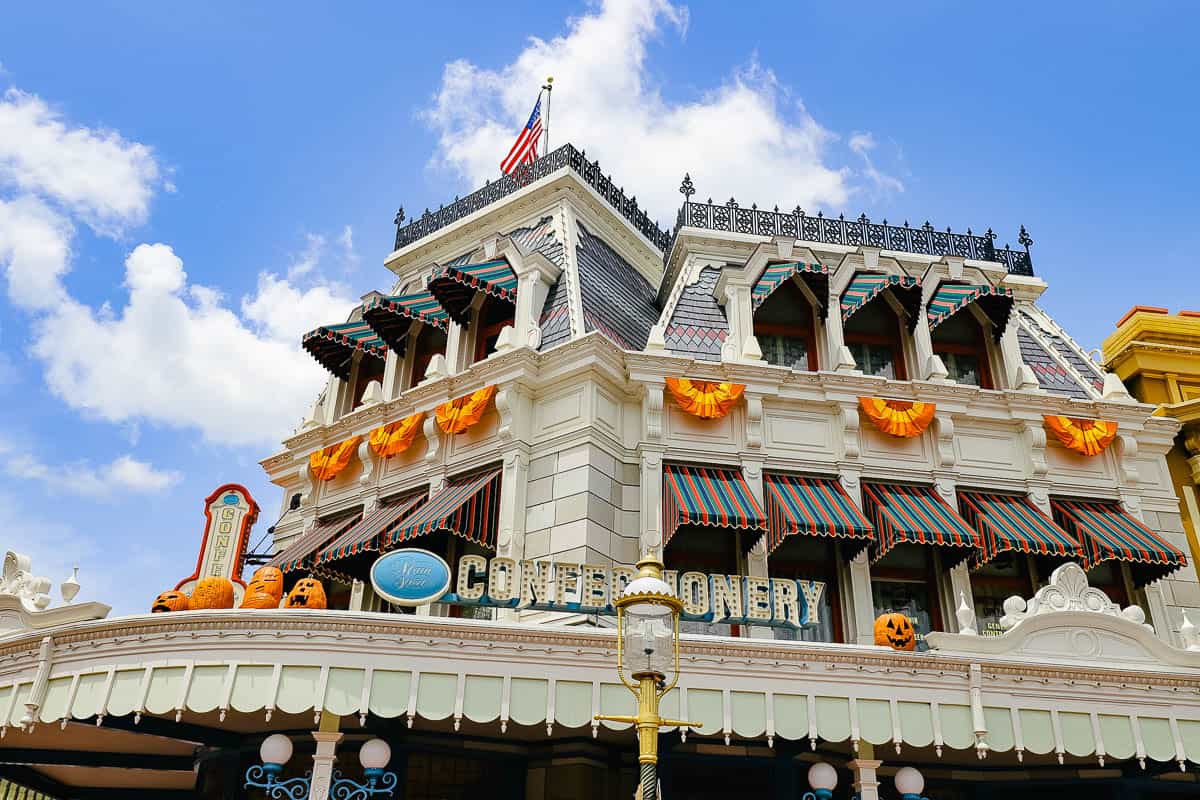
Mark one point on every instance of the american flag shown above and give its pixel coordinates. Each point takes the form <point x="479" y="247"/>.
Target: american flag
<point x="524" y="149"/>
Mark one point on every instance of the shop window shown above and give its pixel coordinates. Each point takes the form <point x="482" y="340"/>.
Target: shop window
<point x="1009" y="573"/>
<point x="712" y="551"/>
<point x="369" y="369"/>
<point x="873" y="335"/>
<point x="1109" y="577"/>
<point x="811" y="558"/>
<point x="491" y="318"/>
<point x="431" y="341"/>
<point x="961" y="344"/>
<point x="785" y="329"/>
<point x="906" y="580"/>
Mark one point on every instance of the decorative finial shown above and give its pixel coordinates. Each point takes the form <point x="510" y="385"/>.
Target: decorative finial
<point x="687" y="188"/>
<point x="1024" y="238"/>
<point x="990" y="235"/>
<point x="927" y="226"/>
<point x="862" y="218"/>
<point x="399" y="217"/>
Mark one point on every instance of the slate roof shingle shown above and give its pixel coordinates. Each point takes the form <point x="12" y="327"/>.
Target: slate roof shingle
<point x="698" y="327"/>
<point x="617" y="300"/>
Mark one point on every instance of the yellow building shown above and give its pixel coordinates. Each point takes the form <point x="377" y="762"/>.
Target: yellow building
<point x="1157" y="355"/>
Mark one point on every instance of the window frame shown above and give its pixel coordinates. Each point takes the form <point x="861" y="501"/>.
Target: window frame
<point x="978" y="348"/>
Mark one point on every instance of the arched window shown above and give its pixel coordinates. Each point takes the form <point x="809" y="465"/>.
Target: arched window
<point x="430" y="341"/>
<point x="873" y="334"/>
<point x="785" y="328"/>
<point x="491" y="317"/>
<point x="369" y="369"/>
<point x="961" y="343"/>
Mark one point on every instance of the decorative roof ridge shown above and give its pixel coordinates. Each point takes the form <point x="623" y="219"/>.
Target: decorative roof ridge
<point x="1043" y="318"/>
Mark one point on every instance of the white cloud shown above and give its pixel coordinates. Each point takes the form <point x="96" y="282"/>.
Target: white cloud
<point x="863" y="144"/>
<point x="748" y="137"/>
<point x="35" y="245"/>
<point x="124" y="474"/>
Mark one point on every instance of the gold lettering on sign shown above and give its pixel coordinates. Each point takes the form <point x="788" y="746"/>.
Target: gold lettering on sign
<point x="758" y="599"/>
<point x="535" y="583"/>
<point x="693" y="591"/>
<point x="726" y="596"/>
<point x="504" y="575"/>
<point x="566" y="582"/>
<point x="786" y="602"/>
<point x="595" y="586"/>
<point x="471" y="572"/>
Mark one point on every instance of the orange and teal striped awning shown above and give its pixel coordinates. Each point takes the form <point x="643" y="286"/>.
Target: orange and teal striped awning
<point x="915" y="515"/>
<point x="296" y="554"/>
<point x="333" y="345"/>
<point x="1107" y="533"/>
<point x="366" y="534"/>
<point x="950" y="298"/>
<point x="1010" y="522"/>
<point x="468" y="507"/>
<point x="812" y="507"/>
<point x="866" y="287"/>
<point x="708" y="497"/>
<point x="775" y="275"/>
<point x="391" y="317"/>
<point x="455" y="287"/>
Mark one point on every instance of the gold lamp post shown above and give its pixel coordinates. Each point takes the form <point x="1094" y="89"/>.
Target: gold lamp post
<point x="648" y="649"/>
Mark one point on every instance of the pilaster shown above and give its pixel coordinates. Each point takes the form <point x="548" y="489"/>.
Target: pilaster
<point x="866" y="784"/>
<point x="322" y="774"/>
<point x="856" y="583"/>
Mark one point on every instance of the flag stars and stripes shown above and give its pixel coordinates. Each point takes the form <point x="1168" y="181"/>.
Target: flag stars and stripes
<point x="524" y="149"/>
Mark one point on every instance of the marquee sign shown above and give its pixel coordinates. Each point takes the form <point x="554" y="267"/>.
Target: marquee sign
<point x="413" y="577"/>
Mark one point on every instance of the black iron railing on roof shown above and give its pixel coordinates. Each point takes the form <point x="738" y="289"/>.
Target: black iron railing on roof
<point x="565" y="156"/>
<point x="853" y="232"/>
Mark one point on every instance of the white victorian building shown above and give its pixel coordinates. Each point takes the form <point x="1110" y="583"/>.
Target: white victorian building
<point x="812" y="421"/>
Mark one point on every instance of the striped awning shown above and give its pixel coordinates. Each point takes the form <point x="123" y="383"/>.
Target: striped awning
<point x="296" y="554"/>
<point x="950" y="298"/>
<point x="812" y="507"/>
<point x="455" y="286"/>
<point x="391" y="317"/>
<point x="333" y="345"/>
<point x="370" y="530"/>
<point x="916" y="515"/>
<point x="468" y="507"/>
<point x="1107" y="533"/>
<point x="1011" y="522"/>
<point x="775" y="275"/>
<point x="866" y="287"/>
<point x="718" y="498"/>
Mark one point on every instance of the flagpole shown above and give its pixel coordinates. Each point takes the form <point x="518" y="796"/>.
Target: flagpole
<point x="548" y="88"/>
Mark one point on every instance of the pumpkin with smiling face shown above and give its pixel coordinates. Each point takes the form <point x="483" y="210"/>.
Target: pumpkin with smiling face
<point x="265" y="589"/>
<point x="895" y="630"/>
<point x="307" y="593"/>
<point x="170" y="601"/>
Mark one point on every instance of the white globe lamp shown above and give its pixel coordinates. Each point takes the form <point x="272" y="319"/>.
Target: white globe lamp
<point x="909" y="783"/>
<point x="275" y="751"/>
<point x="374" y="756"/>
<point x="822" y="777"/>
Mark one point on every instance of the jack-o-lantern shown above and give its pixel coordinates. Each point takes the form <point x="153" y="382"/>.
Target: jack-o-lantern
<point x="307" y="593"/>
<point x="212" y="592"/>
<point x="265" y="588"/>
<point x="170" y="601"/>
<point x="895" y="630"/>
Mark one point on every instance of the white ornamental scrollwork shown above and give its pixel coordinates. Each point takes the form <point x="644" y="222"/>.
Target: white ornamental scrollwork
<point x="1068" y="591"/>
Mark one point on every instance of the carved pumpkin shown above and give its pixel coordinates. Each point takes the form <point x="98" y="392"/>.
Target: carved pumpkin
<point x="170" y="601"/>
<point x="265" y="589"/>
<point x="212" y="593"/>
<point x="895" y="630"/>
<point x="307" y="593"/>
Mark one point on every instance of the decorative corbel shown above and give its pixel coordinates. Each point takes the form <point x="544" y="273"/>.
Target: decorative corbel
<point x="433" y="438"/>
<point x="505" y="341"/>
<point x="652" y="412"/>
<point x="943" y="428"/>
<point x="367" y="457"/>
<point x="1127" y="450"/>
<point x="1035" y="438"/>
<point x="37" y="694"/>
<point x="1191" y="445"/>
<point x="978" y="719"/>
<point x="850" y="430"/>
<point x="945" y="489"/>
<point x="308" y="487"/>
<point x="754" y="421"/>
<point x="507" y="399"/>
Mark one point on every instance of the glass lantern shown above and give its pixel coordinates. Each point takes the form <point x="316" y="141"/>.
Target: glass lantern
<point x="648" y="622"/>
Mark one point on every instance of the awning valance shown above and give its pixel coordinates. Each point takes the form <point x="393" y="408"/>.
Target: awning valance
<point x="915" y="515"/>
<point x="995" y="301"/>
<point x="468" y="507"/>
<point x="334" y="345"/>
<point x="775" y="275"/>
<point x="294" y="556"/>
<point x="866" y="287"/>
<point x="391" y="317"/>
<point x="1009" y="522"/>
<point x="708" y="497"/>
<point x="367" y="533"/>
<point x="455" y="287"/>
<point x="812" y="507"/>
<point x="1107" y="533"/>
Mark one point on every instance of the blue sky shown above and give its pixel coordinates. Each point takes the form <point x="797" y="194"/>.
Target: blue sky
<point x="259" y="155"/>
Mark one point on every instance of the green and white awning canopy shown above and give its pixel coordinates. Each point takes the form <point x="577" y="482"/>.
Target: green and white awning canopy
<point x="815" y="274"/>
<point x="865" y="287"/>
<point x="391" y="317"/>
<point x="333" y="346"/>
<point x="455" y="286"/>
<point x="950" y="298"/>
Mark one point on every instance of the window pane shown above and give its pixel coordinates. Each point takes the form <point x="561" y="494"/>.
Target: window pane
<point x="821" y="632"/>
<point x="910" y="599"/>
<point x="963" y="368"/>
<point x="784" y="351"/>
<point x="874" y="359"/>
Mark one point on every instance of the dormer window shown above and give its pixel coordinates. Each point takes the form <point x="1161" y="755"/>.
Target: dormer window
<point x="784" y="326"/>
<point x="369" y="369"/>
<point x="961" y="343"/>
<point x="430" y="341"/>
<point x="873" y="335"/>
<point x="490" y="319"/>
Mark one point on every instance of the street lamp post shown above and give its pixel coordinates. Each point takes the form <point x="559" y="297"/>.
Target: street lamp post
<point x="275" y="751"/>
<point x="648" y="648"/>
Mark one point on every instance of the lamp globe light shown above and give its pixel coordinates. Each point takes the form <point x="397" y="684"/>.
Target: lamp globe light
<point x="375" y="754"/>
<point x="822" y="776"/>
<point x="909" y="781"/>
<point x="275" y="749"/>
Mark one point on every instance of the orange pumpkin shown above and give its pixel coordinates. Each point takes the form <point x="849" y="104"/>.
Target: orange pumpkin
<point x="265" y="589"/>
<point x="212" y="592"/>
<point x="307" y="593"/>
<point x="170" y="601"/>
<point x="895" y="630"/>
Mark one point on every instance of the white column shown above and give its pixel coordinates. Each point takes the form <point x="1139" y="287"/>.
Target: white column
<point x="866" y="784"/>
<point x="733" y="292"/>
<point x="650" y="455"/>
<point x="323" y="758"/>
<point x="958" y="583"/>
<point x="1131" y="503"/>
<point x="837" y="356"/>
<point x="535" y="278"/>
<point x="856" y="589"/>
<point x="756" y="557"/>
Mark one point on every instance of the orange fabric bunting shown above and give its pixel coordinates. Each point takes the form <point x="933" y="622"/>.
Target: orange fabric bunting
<point x="898" y="417"/>
<point x="395" y="437"/>
<point x="463" y="412"/>
<point x="1086" y="436"/>
<point x="705" y="399"/>
<point x="328" y="462"/>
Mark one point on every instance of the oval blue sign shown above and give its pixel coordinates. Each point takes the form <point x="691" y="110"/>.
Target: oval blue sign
<point x="410" y="577"/>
